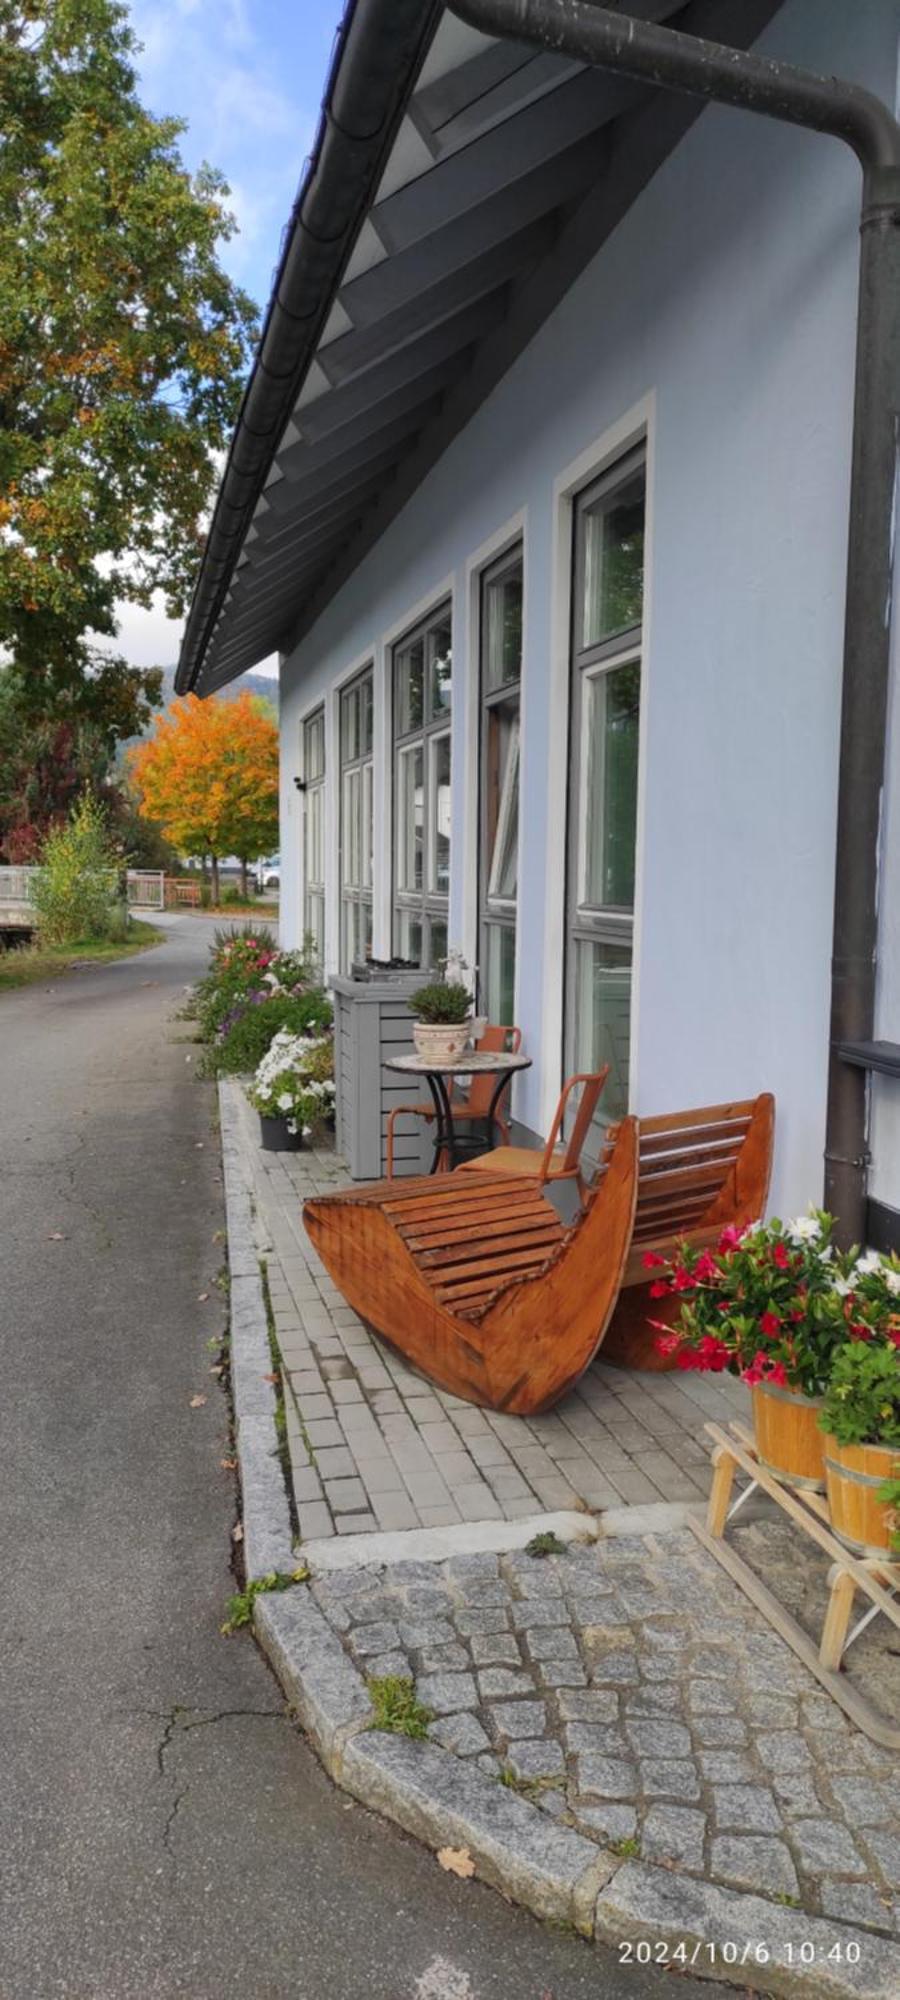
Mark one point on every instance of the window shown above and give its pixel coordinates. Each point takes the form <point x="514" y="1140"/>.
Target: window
<point x="422" y="673"/>
<point x="313" y="739"/>
<point x="607" y="610"/>
<point x="500" y="627"/>
<point x="356" y="819"/>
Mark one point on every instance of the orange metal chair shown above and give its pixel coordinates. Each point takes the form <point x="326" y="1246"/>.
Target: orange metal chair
<point x="556" y="1162"/>
<point x="477" y="1101"/>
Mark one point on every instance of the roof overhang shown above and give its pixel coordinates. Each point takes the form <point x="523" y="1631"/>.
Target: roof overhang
<point x="457" y="188"/>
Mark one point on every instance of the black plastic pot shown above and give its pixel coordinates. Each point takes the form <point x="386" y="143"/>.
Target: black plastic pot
<point x="275" y="1137"/>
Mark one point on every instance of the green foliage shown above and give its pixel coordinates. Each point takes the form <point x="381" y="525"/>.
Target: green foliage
<point x="396" y="1709"/>
<point x="862" y="1401"/>
<point x="627" y="1849"/>
<point x="546" y="1544"/>
<point x="889" y="1494"/>
<point x="75" y="889"/>
<point x="240" y="1606"/>
<point x="443" y="1002"/>
<point x="123" y="347"/>
<point x="243" y="1041"/>
<point x="27" y="966"/>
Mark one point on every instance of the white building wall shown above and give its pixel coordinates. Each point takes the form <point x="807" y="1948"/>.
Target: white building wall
<point x="722" y="311"/>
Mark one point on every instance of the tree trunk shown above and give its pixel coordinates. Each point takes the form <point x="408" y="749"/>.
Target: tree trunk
<point x="244" y="891"/>
<point x="214" y="859"/>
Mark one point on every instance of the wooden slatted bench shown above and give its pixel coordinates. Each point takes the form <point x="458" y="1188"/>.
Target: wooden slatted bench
<point x="475" y="1279"/>
<point x="697" y="1171"/>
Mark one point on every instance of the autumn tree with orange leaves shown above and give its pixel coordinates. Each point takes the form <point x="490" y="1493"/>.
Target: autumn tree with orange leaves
<point x="209" y="776"/>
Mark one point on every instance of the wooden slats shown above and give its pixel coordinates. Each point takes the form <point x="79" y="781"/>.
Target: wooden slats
<point x="677" y="1122"/>
<point x="445" y="1257"/>
<point x="701" y="1135"/>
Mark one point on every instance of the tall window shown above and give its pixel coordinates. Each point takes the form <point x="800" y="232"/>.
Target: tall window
<point x="607" y="609"/>
<point x="422" y="671"/>
<point x="314" y="829"/>
<point x="356" y="819"/>
<point x="501" y="667"/>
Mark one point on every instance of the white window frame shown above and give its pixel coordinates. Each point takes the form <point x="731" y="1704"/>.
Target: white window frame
<point x="314" y="789"/>
<point x="428" y="906"/>
<point x="359" y="895"/>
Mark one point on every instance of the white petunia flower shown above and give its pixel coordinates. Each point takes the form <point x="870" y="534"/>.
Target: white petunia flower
<point x="804" y="1229"/>
<point x="892" y="1280"/>
<point x="868" y="1263"/>
<point x="285" y="1101"/>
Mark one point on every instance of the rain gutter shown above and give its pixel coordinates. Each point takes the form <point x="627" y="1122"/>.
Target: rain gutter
<point x="706" y="69"/>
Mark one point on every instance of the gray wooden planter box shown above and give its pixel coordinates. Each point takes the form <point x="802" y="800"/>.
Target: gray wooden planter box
<point x="372" y="1021"/>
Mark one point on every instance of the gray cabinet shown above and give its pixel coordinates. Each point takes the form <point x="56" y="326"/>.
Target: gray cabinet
<point x="372" y="1022"/>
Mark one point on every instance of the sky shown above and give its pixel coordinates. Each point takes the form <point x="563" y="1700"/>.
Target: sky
<point x="247" y="77"/>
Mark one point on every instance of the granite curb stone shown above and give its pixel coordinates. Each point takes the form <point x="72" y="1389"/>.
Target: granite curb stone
<point x="267" y="1543"/>
<point x="642" y="1904"/>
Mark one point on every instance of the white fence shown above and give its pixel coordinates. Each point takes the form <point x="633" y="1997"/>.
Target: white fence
<point x="146" y="889"/>
<point x="15" y="884"/>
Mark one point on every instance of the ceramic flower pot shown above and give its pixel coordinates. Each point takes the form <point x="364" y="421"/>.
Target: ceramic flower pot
<point x="276" y="1138"/>
<point x="853" y="1474"/>
<point x="788" y="1439"/>
<point x="442" y="1041"/>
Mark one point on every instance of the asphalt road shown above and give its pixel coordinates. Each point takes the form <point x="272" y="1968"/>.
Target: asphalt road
<point x="164" y="1828"/>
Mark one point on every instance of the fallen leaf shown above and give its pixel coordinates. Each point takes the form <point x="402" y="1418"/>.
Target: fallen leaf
<point x="237" y="1533"/>
<point x="228" y="1464"/>
<point x="198" y="1145"/>
<point x="202" y="1297"/>
<point x="218" y="1368"/>
<point x="270" y="1378"/>
<point x="197" y="1402"/>
<point x="56" y="1236"/>
<point x="456" y="1860"/>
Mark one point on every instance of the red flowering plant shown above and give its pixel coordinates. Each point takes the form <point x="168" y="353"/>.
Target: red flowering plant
<point x="761" y="1303"/>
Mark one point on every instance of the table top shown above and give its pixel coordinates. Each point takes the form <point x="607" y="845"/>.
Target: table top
<point x="468" y="1064"/>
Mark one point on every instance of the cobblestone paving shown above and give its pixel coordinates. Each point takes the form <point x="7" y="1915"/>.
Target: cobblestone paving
<point x="373" y="1446"/>
<point x="632" y="1692"/>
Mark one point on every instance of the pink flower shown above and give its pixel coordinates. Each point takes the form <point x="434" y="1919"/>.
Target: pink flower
<point x="660" y="1288"/>
<point x="651" y="1262"/>
<point x="705" y="1268"/>
<point x="781" y="1256"/>
<point x="731" y="1235"/>
<point x="770" y="1325"/>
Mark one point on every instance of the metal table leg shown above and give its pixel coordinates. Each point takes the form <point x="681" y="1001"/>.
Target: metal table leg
<point x="444" y="1141"/>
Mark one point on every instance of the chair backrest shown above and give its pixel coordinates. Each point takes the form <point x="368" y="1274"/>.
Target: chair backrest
<point x="568" y="1166"/>
<point x="494" y="1041"/>
<point x="708" y="1165"/>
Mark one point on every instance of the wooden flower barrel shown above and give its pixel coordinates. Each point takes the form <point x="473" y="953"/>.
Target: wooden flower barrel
<point x="788" y="1437"/>
<point x="854" y="1473"/>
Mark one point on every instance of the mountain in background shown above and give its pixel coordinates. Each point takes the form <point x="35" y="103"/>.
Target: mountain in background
<point x="245" y="684"/>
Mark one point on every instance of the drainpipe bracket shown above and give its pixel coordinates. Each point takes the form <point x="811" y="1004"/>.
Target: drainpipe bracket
<point x="881" y="196"/>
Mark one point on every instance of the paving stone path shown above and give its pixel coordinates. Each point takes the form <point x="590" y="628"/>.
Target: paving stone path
<point x="632" y="1692"/>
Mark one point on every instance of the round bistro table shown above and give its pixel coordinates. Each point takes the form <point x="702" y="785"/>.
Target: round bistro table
<point x="439" y="1077"/>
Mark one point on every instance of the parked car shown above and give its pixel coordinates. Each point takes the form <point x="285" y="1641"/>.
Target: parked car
<point x="268" y="873"/>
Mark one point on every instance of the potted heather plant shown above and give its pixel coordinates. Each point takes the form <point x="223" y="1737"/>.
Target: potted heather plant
<point x="293" y="1089"/>
<point x="762" y="1304"/>
<point x="442" y="1025"/>
<point x="861" y="1412"/>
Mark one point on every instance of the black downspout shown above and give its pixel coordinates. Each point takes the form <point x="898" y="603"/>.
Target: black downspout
<point x="699" y="68"/>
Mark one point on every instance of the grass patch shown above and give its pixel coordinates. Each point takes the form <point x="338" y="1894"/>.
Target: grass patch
<point x="240" y="1606"/>
<point x="396" y="1708"/>
<point x="528" y="1788"/>
<point x="546" y="1544"/>
<point x="627" y="1850"/>
<point x="282" y="1391"/>
<point x="25" y="965"/>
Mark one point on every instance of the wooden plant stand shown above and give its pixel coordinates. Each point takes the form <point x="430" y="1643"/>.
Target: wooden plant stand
<point x="877" y="1578"/>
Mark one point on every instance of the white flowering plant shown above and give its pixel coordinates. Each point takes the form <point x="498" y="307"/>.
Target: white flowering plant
<point x="295" y="1080"/>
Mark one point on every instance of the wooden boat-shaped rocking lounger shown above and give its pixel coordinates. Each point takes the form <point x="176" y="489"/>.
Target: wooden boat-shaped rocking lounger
<point x="475" y="1278"/>
<point x="477" y="1282"/>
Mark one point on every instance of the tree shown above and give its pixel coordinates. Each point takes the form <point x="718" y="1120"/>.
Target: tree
<point x="209" y="776"/>
<point x="123" y="347"/>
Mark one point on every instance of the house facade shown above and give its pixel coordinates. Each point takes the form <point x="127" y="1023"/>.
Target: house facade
<point x="565" y="693"/>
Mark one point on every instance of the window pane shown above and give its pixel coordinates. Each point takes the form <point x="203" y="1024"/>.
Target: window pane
<point x="350" y="724"/>
<point x="409" y="936"/>
<point x="439" y="857"/>
<point x="503" y="629"/>
<point x="602" y="1017"/>
<point x="367" y="827"/>
<point x="315" y="859"/>
<point x="440" y="661"/>
<point x="610" y="723"/>
<point x="613" y="531"/>
<point x="500" y="974"/>
<point x="502" y="800"/>
<point x="315" y="920"/>
<point x="351" y="841"/>
<point x="409" y="671"/>
<point x="410" y="818"/>
<point x="314" y="746"/>
<point x="437" y="943"/>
